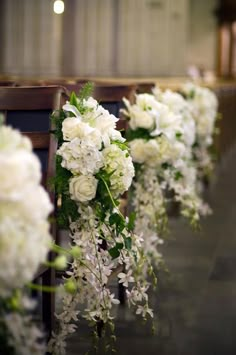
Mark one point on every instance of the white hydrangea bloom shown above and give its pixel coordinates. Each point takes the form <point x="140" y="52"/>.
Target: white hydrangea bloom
<point x="81" y="156"/>
<point x="11" y="140"/>
<point x="120" y="163"/>
<point x="19" y="168"/>
<point x="24" y="209"/>
<point x="155" y="152"/>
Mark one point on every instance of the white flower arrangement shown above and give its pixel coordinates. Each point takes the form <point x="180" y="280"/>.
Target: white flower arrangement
<point x="94" y="169"/>
<point x="24" y="239"/>
<point x="182" y="178"/>
<point x="203" y="104"/>
<point x="162" y="153"/>
<point x="24" y="229"/>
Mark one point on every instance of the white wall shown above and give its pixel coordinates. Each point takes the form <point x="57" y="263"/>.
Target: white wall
<point x="107" y="37"/>
<point x="31" y="38"/>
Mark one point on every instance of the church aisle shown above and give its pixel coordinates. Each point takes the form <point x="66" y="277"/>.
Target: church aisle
<point x="195" y="302"/>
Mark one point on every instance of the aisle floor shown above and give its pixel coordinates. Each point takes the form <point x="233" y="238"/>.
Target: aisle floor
<point x="196" y="299"/>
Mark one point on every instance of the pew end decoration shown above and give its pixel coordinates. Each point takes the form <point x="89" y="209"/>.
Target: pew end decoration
<point x="203" y="104"/>
<point x="93" y="170"/>
<point x="24" y="242"/>
<point x="160" y="136"/>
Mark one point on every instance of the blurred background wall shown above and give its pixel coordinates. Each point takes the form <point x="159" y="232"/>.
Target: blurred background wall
<point x="107" y="37"/>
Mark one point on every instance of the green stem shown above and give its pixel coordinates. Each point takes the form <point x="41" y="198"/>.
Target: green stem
<point x="58" y="249"/>
<point x="110" y="195"/>
<point x="42" y="287"/>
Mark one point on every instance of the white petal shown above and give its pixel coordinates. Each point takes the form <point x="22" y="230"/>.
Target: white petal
<point x="73" y="109"/>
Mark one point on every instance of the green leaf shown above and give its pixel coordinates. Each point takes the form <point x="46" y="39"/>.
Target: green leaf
<point x="165" y="166"/>
<point x="115" y="218"/>
<point x="73" y="99"/>
<point x="178" y="135"/>
<point x="121" y="145"/>
<point x="138" y="133"/>
<point x="131" y="222"/>
<point x="178" y="175"/>
<point x="115" y="251"/>
<point x="128" y="243"/>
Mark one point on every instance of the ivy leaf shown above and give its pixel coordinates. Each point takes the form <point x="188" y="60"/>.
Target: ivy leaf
<point x="128" y="243"/>
<point x="115" y="218"/>
<point x="118" y="221"/>
<point x="131" y="222"/>
<point x="115" y="251"/>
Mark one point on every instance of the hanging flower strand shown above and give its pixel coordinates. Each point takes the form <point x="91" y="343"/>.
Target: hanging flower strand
<point x="94" y="169"/>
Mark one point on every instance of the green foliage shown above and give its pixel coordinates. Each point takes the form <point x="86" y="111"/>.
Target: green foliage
<point x="178" y="135"/>
<point x="68" y="210"/>
<point x="57" y="118"/>
<point x="73" y="99"/>
<point x="178" y="175"/>
<point x="103" y="190"/>
<point x="118" y="221"/>
<point x="122" y="145"/>
<point x="131" y="223"/>
<point x="115" y="251"/>
<point x="84" y="94"/>
<point x="165" y="166"/>
<point x="86" y="91"/>
<point x="191" y="94"/>
<point x="128" y="243"/>
<point x="141" y="133"/>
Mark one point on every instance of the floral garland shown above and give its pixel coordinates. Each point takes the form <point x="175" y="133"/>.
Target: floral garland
<point x="186" y="186"/>
<point x="24" y="240"/>
<point x="94" y="169"/>
<point x="203" y="104"/>
<point x="160" y="136"/>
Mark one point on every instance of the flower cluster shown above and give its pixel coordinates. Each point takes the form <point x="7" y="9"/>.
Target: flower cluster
<point x="94" y="169"/>
<point x="24" y="237"/>
<point x="24" y="229"/>
<point x="161" y="134"/>
<point x="203" y="104"/>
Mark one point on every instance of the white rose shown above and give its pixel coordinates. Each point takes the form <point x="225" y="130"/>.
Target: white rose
<point x="83" y="188"/>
